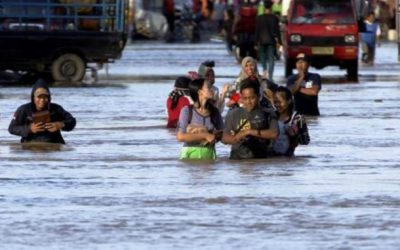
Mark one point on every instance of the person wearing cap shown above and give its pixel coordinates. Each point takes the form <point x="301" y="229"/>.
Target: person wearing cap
<point x="305" y="87"/>
<point x="177" y="99"/>
<point x="41" y="120"/>
<point x="206" y="71"/>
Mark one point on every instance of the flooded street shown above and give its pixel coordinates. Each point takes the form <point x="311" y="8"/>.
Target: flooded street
<point x="118" y="183"/>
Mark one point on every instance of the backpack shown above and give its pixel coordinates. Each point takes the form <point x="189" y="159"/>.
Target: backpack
<point x="299" y="124"/>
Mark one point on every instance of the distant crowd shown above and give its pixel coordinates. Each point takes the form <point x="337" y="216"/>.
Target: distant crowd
<point x="219" y="12"/>
<point x="253" y="28"/>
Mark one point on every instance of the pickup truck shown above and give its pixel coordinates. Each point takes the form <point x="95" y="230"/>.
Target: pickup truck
<point x="59" y="38"/>
<point x="326" y="31"/>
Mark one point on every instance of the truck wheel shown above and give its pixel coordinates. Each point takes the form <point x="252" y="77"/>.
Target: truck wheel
<point x="352" y="71"/>
<point x="68" y="67"/>
<point x="288" y="68"/>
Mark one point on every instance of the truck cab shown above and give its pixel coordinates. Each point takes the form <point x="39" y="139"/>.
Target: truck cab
<point x="59" y="38"/>
<point x="326" y="31"/>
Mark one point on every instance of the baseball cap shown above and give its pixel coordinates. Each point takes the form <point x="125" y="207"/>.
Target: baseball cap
<point x="41" y="91"/>
<point x="302" y="56"/>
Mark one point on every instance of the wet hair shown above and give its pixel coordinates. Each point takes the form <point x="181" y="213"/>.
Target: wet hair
<point x="209" y="63"/>
<point x="250" y="83"/>
<point x="268" y="4"/>
<point x="182" y="82"/>
<point x="288" y="97"/>
<point x="181" y="85"/>
<point x="271" y="85"/>
<point x="194" y="87"/>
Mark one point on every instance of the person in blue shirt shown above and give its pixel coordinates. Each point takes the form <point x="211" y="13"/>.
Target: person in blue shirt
<point x="305" y="87"/>
<point x="369" y="39"/>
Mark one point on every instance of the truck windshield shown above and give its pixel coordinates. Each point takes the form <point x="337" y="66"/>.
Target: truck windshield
<point x="322" y="12"/>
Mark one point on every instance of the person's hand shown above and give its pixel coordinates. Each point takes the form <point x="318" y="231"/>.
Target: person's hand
<point x="225" y="89"/>
<point x="299" y="80"/>
<point x="218" y="134"/>
<point x="235" y="38"/>
<point x="196" y="129"/>
<point x="54" y="126"/>
<point x="230" y="103"/>
<point x="292" y="130"/>
<point x="242" y="134"/>
<point x="210" y="139"/>
<point x="37" y="127"/>
<point x="302" y="74"/>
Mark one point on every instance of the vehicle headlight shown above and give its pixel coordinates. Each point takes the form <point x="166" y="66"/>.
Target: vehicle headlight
<point x="349" y="38"/>
<point x="295" y="38"/>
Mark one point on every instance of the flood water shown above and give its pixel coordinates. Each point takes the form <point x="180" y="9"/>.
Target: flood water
<point x="117" y="183"/>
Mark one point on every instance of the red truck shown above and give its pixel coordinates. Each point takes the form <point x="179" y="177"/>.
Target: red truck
<point x="326" y="31"/>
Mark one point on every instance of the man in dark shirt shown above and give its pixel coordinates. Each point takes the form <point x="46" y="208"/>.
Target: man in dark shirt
<point x="250" y="129"/>
<point x="41" y="120"/>
<point x="305" y="87"/>
<point x="267" y="36"/>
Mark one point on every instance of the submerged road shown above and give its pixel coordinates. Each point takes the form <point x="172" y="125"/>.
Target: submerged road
<point x="117" y="183"/>
<point x="154" y="60"/>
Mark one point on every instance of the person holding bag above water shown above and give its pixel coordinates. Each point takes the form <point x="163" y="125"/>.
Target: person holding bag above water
<point x="41" y="120"/>
<point x="292" y="125"/>
<point x="200" y="125"/>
